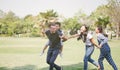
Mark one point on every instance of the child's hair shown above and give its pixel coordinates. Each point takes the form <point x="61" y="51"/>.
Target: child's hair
<point x="58" y="23"/>
<point x="100" y="28"/>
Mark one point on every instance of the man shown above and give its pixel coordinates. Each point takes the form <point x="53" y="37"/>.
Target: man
<point x="58" y="27"/>
<point x="54" y="37"/>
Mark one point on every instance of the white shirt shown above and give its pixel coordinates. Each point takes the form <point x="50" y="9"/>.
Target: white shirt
<point x="89" y="36"/>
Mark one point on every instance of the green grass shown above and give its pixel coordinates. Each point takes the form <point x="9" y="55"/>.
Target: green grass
<point x="23" y="54"/>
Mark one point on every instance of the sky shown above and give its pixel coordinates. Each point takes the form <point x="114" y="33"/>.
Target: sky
<point x="67" y="8"/>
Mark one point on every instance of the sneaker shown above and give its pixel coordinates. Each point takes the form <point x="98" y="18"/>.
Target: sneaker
<point x="61" y="68"/>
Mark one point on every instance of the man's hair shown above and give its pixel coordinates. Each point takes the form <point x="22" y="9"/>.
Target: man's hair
<point x="51" y="24"/>
<point x="58" y="23"/>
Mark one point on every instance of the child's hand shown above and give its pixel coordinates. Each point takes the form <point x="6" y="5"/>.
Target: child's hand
<point x="42" y="53"/>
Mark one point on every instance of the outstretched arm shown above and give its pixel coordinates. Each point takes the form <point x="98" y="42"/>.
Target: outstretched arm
<point x="73" y="36"/>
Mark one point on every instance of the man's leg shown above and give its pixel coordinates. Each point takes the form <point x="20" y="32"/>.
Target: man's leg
<point x="52" y="60"/>
<point x="49" y="55"/>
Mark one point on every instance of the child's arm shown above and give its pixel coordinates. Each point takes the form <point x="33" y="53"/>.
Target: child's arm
<point x="61" y="49"/>
<point x="93" y="42"/>
<point x="45" y="47"/>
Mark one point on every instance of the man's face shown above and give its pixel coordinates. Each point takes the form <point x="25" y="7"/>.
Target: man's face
<point x="53" y="29"/>
<point x="57" y="26"/>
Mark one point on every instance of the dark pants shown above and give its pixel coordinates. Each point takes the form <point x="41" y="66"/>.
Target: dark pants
<point x="105" y="53"/>
<point x="87" y="57"/>
<point x="51" y="57"/>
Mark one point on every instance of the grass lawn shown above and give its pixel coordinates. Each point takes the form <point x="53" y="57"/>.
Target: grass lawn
<point x="24" y="54"/>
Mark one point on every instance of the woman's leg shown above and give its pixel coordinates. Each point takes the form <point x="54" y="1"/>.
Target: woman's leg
<point x="110" y="60"/>
<point x="100" y="61"/>
<point x="91" y="60"/>
<point x="88" y="52"/>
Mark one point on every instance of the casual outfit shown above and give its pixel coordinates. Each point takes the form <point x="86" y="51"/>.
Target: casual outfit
<point x="105" y="52"/>
<point x="89" y="48"/>
<point x="47" y="44"/>
<point x="54" y="47"/>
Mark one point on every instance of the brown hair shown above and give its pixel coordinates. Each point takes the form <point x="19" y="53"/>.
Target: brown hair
<point x="83" y="35"/>
<point x="100" y="28"/>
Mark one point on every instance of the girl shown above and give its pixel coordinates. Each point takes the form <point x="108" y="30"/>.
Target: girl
<point x="104" y="49"/>
<point x="89" y="44"/>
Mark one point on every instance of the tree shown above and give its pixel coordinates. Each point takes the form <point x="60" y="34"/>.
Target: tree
<point x="114" y="13"/>
<point x="102" y="21"/>
<point x="48" y="16"/>
<point x="7" y="23"/>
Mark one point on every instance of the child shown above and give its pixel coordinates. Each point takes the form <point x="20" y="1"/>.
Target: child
<point x="104" y="49"/>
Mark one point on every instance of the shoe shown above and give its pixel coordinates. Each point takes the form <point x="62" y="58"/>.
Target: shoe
<point x="61" y="68"/>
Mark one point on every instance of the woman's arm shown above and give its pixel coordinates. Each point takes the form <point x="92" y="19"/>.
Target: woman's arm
<point x="93" y="42"/>
<point x="103" y="39"/>
<point x="73" y="36"/>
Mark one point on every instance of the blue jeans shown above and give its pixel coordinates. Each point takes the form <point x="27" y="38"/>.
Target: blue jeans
<point x="87" y="57"/>
<point x="105" y="53"/>
<point x="51" y="57"/>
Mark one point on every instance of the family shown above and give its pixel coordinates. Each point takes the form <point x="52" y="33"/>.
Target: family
<point x="56" y="39"/>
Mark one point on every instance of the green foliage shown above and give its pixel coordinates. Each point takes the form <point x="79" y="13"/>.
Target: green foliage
<point x="48" y="14"/>
<point x="71" y="24"/>
<point x="102" y="21"/>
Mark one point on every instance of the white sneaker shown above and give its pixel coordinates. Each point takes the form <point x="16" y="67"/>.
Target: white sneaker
<point x="61" y="68"/>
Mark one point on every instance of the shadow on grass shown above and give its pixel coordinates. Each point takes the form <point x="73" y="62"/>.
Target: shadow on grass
<point x="78" y="66"/>
<point x="27" y="67"/>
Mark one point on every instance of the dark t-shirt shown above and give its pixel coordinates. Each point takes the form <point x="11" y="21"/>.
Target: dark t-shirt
<point x="54" y="38"/>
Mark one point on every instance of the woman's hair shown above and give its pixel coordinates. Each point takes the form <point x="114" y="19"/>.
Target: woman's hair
<point x="83" y="35"/>
<point x="86" y="27"/>
<point x="100" y="28"/>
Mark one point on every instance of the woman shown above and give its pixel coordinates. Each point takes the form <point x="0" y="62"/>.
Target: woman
<point x="104" y="49"/>
<point x="89" y="44"/>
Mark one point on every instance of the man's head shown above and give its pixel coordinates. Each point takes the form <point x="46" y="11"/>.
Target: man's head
<point x="53" y="28"/>
<point x="58" y="25"/>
